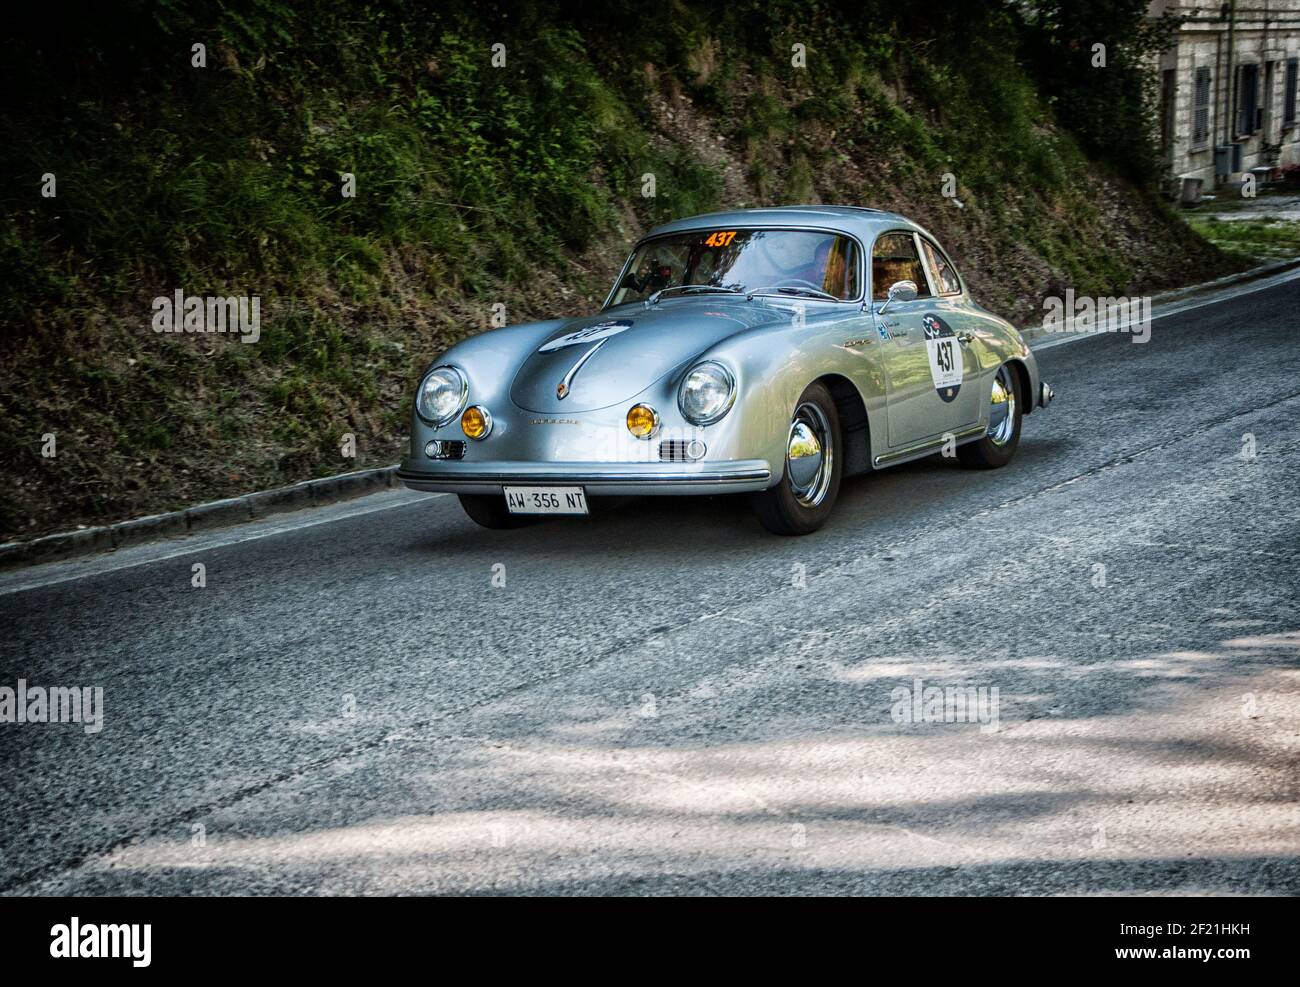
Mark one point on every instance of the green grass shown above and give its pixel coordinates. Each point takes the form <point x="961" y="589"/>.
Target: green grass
<point x="1250" y="239"/>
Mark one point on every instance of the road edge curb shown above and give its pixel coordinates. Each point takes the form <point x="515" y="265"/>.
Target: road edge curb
<point x="200" y="517"/>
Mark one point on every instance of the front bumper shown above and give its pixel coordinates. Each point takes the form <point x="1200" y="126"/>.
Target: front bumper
<point x="655" y="479"/>
<point x="1045" y="394"/>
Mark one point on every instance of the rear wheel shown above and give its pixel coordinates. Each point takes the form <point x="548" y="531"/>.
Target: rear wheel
<point x="803" y="500"/>
<point x="490" y="511"/>
<point x="999" y="443"/>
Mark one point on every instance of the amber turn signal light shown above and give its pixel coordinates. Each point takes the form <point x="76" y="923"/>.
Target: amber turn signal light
<point x="476" y="422"/>
<point x="642" y="421"/>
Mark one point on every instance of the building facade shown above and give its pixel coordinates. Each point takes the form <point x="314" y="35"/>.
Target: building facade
<point x="1228" y="100"/>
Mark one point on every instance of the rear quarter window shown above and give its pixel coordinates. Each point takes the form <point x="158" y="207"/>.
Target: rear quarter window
<point x="945" y="276"/>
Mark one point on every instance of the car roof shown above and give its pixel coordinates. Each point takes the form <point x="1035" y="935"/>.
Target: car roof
<point x="861" y="221"/>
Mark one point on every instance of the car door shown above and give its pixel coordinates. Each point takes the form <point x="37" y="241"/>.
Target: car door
<point x="955" y="364"/>
<point x="925" y="366"/>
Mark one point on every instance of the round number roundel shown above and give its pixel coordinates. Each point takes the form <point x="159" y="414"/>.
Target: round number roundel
<point x="945" y="357"/>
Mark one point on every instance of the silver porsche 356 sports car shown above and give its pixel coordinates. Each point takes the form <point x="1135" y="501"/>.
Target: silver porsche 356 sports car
<point x="768" y="351"/>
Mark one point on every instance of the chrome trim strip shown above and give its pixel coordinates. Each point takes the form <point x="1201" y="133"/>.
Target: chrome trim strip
<point x="929" y="444"/>
<point x="587" y="477"/>
<point x="562" y="391"/>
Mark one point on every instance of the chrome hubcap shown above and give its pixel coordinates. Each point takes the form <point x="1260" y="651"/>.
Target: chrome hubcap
<point x="1002" y="413"/>
<point x="808" y="455"/>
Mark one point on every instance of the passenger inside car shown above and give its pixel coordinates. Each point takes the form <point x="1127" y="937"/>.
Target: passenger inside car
<point x="893" y="259"/>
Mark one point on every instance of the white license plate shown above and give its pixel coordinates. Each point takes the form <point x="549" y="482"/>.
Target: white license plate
<point x="546" y="500"/>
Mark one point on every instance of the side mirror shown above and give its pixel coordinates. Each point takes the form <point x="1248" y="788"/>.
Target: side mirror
<point x="904" y="291"/>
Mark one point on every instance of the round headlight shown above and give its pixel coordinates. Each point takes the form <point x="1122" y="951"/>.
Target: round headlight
<point x="707" y="394"/>
<point x="442" y="394"/>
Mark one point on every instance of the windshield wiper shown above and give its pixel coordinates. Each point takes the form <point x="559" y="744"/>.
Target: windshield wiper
<point x="654" y="299"/>
<point x="788" y="290"/>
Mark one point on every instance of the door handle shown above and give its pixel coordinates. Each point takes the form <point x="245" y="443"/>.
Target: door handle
<point x="965" y="337"/>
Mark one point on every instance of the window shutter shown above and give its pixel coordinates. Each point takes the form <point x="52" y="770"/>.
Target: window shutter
<point x="1201" y="109"/>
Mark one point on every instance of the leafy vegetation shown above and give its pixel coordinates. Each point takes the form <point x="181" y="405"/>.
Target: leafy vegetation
<point x="1253" y="240"/>
<point x="518" y="183"/>
<point x="1092" y="59"/>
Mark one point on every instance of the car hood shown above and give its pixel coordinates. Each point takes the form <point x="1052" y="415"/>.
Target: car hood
<point x="610" y="357"/>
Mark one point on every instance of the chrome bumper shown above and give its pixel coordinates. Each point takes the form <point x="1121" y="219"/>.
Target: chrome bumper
<point x="1045" y="395"/>
<point x="596" y="478"/>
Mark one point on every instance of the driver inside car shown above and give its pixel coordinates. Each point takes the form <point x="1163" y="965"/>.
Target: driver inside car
<point x="653" y="275"/>
<point x="826" y="269"/>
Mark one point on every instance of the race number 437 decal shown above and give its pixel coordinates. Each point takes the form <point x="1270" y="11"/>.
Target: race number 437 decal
<point x="945" y="357"/>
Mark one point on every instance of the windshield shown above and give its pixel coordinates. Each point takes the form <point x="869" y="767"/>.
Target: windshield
<point x="791" y="262"/>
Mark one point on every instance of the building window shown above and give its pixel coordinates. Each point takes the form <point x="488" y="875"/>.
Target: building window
<point x="1288" y="92"/>
<point x="1247" y="100"/>
<point x="1201" y="111"/>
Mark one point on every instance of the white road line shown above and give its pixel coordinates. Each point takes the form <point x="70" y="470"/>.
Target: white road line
<point x="53" y="573"/>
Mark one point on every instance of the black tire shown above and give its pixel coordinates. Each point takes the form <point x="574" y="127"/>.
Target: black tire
<point x="490" y="511"/>
<point x="783" y="509"/>
<point x="988" y="453"/>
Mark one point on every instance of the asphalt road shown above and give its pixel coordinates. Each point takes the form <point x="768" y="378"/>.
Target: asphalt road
<point x="650" y="704"/>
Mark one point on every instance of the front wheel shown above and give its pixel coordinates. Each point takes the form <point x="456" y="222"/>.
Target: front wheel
<point x="1000" y="441"/>
<point x="490" y="511"/>
<point x="803" y="500"/>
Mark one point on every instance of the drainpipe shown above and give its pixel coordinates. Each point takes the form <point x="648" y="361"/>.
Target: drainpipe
<point x="1232" y="77"/>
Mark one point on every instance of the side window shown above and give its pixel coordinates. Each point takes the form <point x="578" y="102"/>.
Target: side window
<point x="945" y="278"/>
<point x="894" y="258"/>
